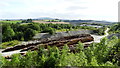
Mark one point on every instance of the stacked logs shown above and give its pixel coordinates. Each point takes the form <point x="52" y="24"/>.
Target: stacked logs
<point x="69" y="40"/>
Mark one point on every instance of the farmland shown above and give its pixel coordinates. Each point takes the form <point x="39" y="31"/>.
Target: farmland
<point x="51" y="22"/>
<point x="17" y="21"/>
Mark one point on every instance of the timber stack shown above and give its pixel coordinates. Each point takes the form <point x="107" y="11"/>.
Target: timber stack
<point x="59" y="42"/>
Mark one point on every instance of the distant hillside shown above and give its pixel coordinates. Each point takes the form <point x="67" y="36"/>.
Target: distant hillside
<point x="87" y="21"/>
<point x="39" y="21"/>
<point x="43" y="18"/>
<point x="74" y="22"/>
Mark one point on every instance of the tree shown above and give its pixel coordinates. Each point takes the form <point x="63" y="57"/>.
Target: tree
<point x="50" y="61"/>
<point x="23" y="21"/>
<point x="15" y="61"/>
<point x="49" y="30"/>
<point x="1" y="61"/>
<point x="8" y="33"/>
<point x="27" y="21"/>
<point x="19" y="36"/>
<point x="79" y="47"/>
<point x="94" y="62"/>
<point x="34" y="26"/>
<point x="22" y="28"/>
<point x="29" y="33"/>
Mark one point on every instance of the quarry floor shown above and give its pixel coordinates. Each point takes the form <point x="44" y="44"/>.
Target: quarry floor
<point x="97" y="39"/>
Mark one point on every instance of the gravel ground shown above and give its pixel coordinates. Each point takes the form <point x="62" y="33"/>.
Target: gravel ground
<point x="10" y="53"/>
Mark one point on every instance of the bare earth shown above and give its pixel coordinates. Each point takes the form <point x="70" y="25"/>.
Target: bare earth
<point x="51" y="22"/>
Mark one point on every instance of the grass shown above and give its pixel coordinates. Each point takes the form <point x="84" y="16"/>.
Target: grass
<point x="9" y="44"/>
<point x="62" y="30"/>
<point x="10" y="21"/>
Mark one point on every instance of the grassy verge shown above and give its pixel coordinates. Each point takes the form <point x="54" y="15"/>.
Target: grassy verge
<point x="9" y="44"/>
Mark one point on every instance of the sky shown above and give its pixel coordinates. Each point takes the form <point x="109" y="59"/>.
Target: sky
<point x="63" y="9"/>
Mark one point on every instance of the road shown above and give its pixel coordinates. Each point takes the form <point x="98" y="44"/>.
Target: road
<point x="97" y="38"/>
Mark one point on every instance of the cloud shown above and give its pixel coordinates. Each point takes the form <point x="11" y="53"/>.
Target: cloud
<point x="72" y="9"/>
<point x="2" y="4"/>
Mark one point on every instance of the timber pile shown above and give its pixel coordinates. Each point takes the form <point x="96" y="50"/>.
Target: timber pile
<point x="69" y="40"/>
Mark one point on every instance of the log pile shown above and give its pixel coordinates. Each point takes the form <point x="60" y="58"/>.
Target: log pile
<point x="69" y="40"/>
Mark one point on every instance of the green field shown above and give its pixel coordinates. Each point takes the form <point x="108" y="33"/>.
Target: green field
<point x="17" y="21"/>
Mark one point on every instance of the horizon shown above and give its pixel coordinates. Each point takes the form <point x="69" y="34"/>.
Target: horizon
<point x="64" y="9"/>
<point x="53" y="19"/>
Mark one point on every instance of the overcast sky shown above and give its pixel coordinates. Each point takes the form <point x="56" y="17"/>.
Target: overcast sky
<point x="64" y="9"/>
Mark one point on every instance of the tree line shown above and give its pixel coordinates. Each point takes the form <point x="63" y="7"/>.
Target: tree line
<point x="25" y="31"/>
<point x="115" y="28"/>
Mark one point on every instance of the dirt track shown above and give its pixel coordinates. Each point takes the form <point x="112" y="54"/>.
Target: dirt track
<point x="97" y="38"/>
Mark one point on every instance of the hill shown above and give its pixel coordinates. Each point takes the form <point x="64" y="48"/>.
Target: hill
<point x="74" y="22"/>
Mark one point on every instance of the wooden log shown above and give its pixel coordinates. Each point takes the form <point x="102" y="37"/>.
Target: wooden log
<point x="69" y="40"/>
